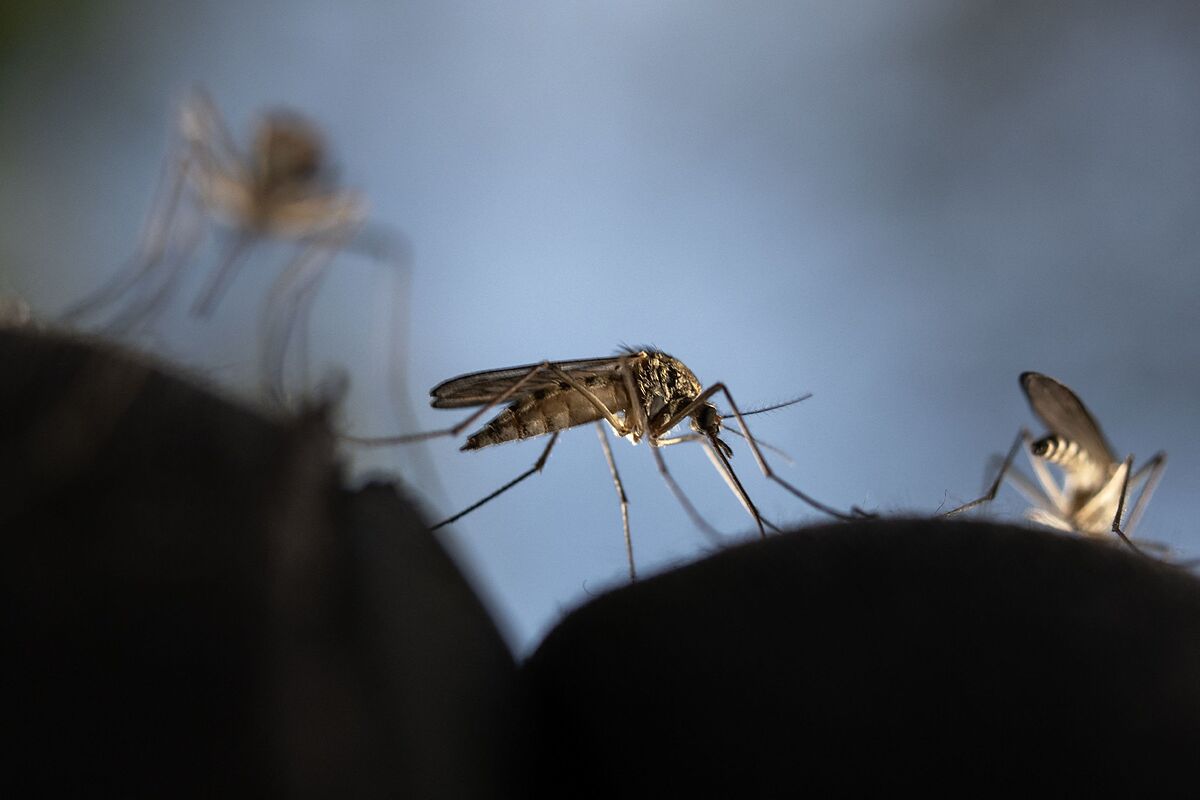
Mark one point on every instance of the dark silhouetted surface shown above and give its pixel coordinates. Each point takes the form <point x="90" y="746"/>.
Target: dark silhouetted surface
<point x="874" y="655"/>
<point x="192" y="605"/>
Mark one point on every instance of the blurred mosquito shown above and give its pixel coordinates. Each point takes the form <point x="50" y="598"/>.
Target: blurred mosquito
<point x="283" y="188"/>
<point x="1096" y="484"/>
<point x="638" y="393"/>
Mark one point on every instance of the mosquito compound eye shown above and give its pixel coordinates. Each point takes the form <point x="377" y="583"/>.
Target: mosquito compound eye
<point x="707" y="419"/>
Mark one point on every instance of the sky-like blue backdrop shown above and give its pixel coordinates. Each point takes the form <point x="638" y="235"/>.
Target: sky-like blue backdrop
<point x="896" y="206"/>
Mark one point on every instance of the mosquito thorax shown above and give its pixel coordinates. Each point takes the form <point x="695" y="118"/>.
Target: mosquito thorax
<point x="287" y="150"/>
<point x="664" y="384"/>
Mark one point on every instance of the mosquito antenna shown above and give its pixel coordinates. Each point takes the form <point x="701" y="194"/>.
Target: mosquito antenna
<point x="775" y="407"/>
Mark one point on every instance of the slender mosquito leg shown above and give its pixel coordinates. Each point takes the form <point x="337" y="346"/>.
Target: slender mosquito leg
<point x="153" y="248"/>
<point x="1151" y="472"/>
<point x="700" y="522"/>
<point x="727" y="470"/>
<point x="717" y="465"/>
<point x="537" y="467"/>
<point x="293" y="295"/>
<point x="199" y="111"/>
<point x="612" y="468"/>
<point x="141" y="313"/>
<point x="855" y="512"/>
<point x="376" y="441"/>
<point x="1035" y="494"/>
<point x="990" y="494"/>
<point x="1116" y="523"/>
<point x="292" y="323"/>
<point x="207" y="301"/>
<point x="621" y="428"/>
<point x="394" y="252"/>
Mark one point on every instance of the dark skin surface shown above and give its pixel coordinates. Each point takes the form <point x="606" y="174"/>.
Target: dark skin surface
<point x="193" y="605"/>
<point x="865" y="656"/>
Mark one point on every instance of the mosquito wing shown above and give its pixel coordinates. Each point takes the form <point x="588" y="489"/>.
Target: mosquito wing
<point x="1064" y="414"/>
<point x="480" y="388"/>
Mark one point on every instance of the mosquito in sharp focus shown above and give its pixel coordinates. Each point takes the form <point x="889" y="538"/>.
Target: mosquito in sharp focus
<point x="638" y="393"/>
<point x="1096" y="484"/>
<point x="282" y="188"/>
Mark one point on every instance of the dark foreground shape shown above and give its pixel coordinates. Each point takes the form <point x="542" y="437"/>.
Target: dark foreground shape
<point x="869" y="656"/>
<point x="191" y="605"/>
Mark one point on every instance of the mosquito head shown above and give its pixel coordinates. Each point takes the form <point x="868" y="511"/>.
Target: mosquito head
<point x="287" y="150"/>
<point x="707" y="420"/>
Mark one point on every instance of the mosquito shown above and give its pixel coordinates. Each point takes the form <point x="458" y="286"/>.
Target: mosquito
<point x="1096" y="484"/>
<point x="283" y="188"/>
<point x="640" y="394"/>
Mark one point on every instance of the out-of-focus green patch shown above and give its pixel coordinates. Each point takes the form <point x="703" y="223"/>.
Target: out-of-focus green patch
<point x="24" y="20"/>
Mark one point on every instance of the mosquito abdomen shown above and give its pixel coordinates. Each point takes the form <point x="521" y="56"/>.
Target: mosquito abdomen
<point x="547" y="411"/>
<point x="1064" y="452"/>
<point x="1085" y="473"/>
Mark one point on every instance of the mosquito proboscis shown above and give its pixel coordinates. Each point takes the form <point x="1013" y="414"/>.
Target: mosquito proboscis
<point x="1096" y="483"/>
<point x="639" y="394"/>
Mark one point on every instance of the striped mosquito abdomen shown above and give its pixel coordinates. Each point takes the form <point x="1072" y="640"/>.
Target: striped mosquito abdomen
<point x="1074" y="460"/>
<point x="549" y="410"/>
<point x="1058" y="450"/>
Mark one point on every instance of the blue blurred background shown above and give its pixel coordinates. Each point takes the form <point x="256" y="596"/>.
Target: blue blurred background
<point x="896" y="206"/>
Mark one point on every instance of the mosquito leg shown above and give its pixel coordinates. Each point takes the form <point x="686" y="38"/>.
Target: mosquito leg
<point x="1127" y="466"/>
<point x="619" y="427"/>
<point x="289" y="321"/>
<point x="854" y="513"/>
<point x="1151" y="472"/>
<point x="1035" y="494"/>
<point x="207" y="302"/>
<point x="141" y="314"/>
<point x="731" y="477"/>
<point x="287" y="310"/>
<point x="699" y="521"/>
<point x="537" y="467"/>
<point x="990" y="494"/>
<point x="395" y="251"/>
<point x="154" y="240"/>
<point x="201" y="125"/>
<point x="720" y="468"/>
<point x="612" y="468"/>
<point x="132" y="275"/>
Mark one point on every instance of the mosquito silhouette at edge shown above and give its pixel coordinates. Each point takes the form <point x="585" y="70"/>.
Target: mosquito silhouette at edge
<point x="1096" y="484"/>
<point x="639" y="394"/>
<point x="283" y="188"/>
